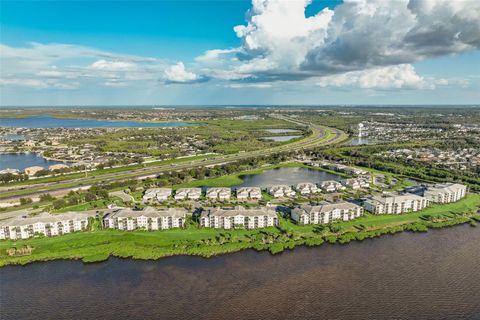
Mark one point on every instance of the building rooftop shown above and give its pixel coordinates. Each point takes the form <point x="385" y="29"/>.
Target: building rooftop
<point x="327" y="207"/>
<point x="239" y="211"/>
<point x="148" y="212"/>
<point x="452" y="187"/>
<point x="394" y="198"/>
<point x="45" y="217"/>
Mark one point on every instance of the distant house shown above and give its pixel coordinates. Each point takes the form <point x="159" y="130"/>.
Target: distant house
<point x="306" y="188"/>
<point x="30" y="171"/>
<point x="355" y="171"/>
<point x="222" y="194"/>
<point x="44" y="224"/>
<point x="10" y="171"/>
<point x="57" y="166"/>
<point x="331" y="186"/>
<point x="344" y="168"/>
<point x="395" y="204"/>
<point x="147" y="219"/>
<point x="445" y="193"/>
<point x="188" y="193"/>
<point x="281" y="191"/>
<point x="252" y="193"/>
<point x="157" y="194"/>
<point x="238" y="217"/>
<point x="356" y="183"/>
<point x="326" y="213"/>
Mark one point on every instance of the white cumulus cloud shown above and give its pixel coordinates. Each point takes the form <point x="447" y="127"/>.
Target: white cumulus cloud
<point x="103" y="64"/>
<point x="178" y="73"/>
<point x="279" y="42"/>
<point x="384" y="78"/>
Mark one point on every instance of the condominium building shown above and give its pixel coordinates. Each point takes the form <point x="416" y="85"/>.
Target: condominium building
<point x="351" y="183"/>
<point x="331" y="186"/>
<point x="188" y="193"/>
<point x="306" y="188"/>
<point x="356" y="183"/>
<point x="326" y="213"/>
<point x="281" y="191"/>
<point x="229" y="218"/>
<point x="344" y="168"/>
<point x="395" y="204"/>
<point x="222" y="194"/>
<point x="445" y="193"/>
<point x="252" y="193"/>
<point x="147" y="219"/>
<point x="157" y="194"/>
<point x="44" y="224"/>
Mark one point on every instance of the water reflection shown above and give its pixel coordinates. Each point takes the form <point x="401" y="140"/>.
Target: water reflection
<point x="288" y="176"/>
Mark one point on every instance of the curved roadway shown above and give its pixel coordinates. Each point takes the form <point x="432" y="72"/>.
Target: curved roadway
<point x="321" y="136"/>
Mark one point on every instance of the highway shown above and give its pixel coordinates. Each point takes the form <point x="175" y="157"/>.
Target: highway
<point x="320" y="136"/>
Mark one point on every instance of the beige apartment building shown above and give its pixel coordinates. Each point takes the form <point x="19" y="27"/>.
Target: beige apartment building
<point x="326" y="213"/>
<point x="228" y="218"/>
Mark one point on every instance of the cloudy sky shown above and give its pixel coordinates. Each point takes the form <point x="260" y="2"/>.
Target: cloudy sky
<point x="240" y="52"/>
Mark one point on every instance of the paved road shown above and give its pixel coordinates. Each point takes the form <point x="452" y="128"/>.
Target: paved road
<point x="319" y="137"/>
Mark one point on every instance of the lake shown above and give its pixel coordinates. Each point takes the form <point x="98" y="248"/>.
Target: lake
<point x="280" y="138"/>
<point x="434" y="275"/>
<point x="46" y="121"/>
<point x="286" y="175"/>
<point x="21" y="161"/>
<point x="281" y="130"/>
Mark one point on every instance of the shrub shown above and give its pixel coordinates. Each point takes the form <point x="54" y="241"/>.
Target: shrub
<point x="24" y="201"/>
<point x="58" y="204"/>
<point x="46" y="197"/>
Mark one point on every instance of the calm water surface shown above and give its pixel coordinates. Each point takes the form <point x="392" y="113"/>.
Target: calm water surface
<point x="288" y="176"/>
<point x="280" y="130"/>
<point x="280" y="138"/>
<point x="435" y="275"/>
<point x="24" y="160"/>
<point x="45" y="121"/>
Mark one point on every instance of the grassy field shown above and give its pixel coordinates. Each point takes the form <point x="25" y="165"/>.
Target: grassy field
<point x="98" y="245"/>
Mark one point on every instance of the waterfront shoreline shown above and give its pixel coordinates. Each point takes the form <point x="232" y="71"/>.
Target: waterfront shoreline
<point x="99" y="245"/>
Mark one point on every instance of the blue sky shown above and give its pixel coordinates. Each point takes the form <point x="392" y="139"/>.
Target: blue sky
<point x="236" y="52"/>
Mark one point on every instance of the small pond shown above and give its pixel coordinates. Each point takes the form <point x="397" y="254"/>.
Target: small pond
<point x="280" y="138"/>
<point x="281" y="130"/>
<point x="288" y="176"/>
